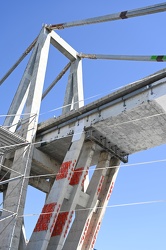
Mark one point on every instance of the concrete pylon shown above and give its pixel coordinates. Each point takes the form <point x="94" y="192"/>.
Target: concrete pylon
<point x="71" y="217"/>
<point x="74" y="97"/>
<point x="83" y="232"/>
<point x="29" y="95"/>
<point x="45" y="225"/>
<point x="105" y="190"/>
<point x="72" y="214"/>
<point x="28" y="99"/>
<point x="76" y="196"/>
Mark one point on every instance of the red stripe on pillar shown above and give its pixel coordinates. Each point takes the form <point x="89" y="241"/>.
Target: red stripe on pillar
<point x="59" y="225"/>
<point x="100" y="184"/>
<point x="95" y="235"/>
<point x="84" y="232"/>
<point x="44" y="218"/>
<point x="64" y="169"/>
<point x="110" y="191"/>
<point x="76" y="176"/>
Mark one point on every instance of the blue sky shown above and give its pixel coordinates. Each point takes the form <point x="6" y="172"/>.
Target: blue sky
<point x="129" y="227"/>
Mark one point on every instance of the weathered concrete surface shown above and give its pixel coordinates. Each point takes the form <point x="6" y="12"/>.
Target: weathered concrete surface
<point x="137" y="129"/>
<point x="132" y="118"/>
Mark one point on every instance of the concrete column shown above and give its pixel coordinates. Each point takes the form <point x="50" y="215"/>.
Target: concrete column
<point x="78" y="231"/>
<point x="14" y="202"/>
<point x="74" y="97"/>
<point x="23" y="242"/>
<point x="69" y="205"/>
<point x="43" y="230"/>
<point x="103" y="199"/>
<point x="20" y="97"/>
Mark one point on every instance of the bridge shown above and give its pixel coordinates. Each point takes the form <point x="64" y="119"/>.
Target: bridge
<point x="55" y="156"/>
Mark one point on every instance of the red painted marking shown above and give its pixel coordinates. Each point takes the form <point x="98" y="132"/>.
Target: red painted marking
<point x="100" y="184"/>
<point x="60" y="222"/>
<point x="53" y="224"/>
<point x="95" y="235"/>
<point x="76" y="176"/>
<point x="110" y="190"/>
<point x="84" y="178"/>
<point x="64" y="169"/>
<point x="68" y="223"/>
<point x="44" y="218"/>
<point x="85" y="231"/>
<point x="55" y="217"/>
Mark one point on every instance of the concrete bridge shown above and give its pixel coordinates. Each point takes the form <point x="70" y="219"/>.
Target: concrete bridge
<point x="55" y="156"/>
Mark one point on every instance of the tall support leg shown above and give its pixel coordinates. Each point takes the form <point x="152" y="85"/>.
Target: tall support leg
<point x="22" y="244"/>
<point x="76" y="196"/>
<point x="10" y="227"/>
<point x="78" y="234"/>
<point x="20" y="97"/>
<point x="74" y="97"/>
<point x="46" y="222"/>
<point x="1" y="161"/>
<point x="104" y="195"/>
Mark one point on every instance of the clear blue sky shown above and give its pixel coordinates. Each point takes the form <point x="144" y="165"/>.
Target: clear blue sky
<point x="131" y="227"/>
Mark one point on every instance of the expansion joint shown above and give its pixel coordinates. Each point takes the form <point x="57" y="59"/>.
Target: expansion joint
<point x="94" y="135"/>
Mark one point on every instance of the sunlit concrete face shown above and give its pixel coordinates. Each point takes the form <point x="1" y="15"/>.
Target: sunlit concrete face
<point x="138" y="129"/>
<point x="134" y="122"/>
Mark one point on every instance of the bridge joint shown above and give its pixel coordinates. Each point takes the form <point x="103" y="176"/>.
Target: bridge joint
<point x="94" y="135"/>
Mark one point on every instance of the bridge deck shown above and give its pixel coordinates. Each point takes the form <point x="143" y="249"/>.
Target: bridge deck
<point x="132" y="118"/>
<point x="9" y="141"/>
<point x="113" y="97"/>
